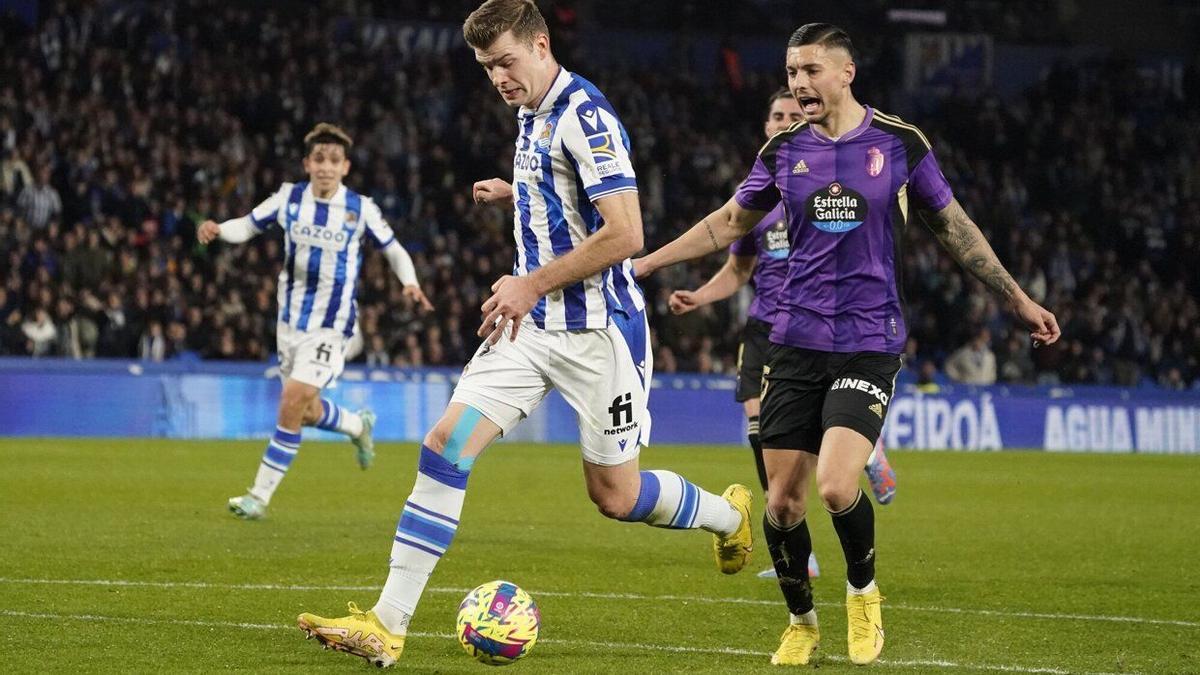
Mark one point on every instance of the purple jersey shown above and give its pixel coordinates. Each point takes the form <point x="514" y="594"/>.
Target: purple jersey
<point x="769" y="242"/>
<point x="847" y="202"/>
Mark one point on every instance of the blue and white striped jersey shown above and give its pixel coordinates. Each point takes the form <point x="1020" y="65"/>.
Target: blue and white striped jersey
<point x="323" y="248"/>
<point x="570" y="152"/>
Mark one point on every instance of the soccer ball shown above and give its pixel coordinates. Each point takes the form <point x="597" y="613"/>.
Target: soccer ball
<point x="498" y="623"/>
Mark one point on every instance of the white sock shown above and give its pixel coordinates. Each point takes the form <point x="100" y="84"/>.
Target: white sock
<point x="276" y="460"/>
<point x="393" y="619"/>
<point x="427" y="526"/>
<point x="666" y="499"/>
<point x="336" y="418"/>
<point x="851" y="590"/>
<point x="808" y="618"/>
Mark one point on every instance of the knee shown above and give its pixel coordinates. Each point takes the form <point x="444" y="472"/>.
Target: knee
<point x="613" y="503"/>
<point x="785" y="509"/>
<point x="295" y="402"/>
<point x="438" y="436"/>
<point x="837" y="495"/>
<point x="313" y="413"/>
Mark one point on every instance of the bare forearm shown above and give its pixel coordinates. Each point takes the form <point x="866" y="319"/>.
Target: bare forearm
<point x="961" y="237"/>
<point x="723" y="284"/>
<point x="715" y="232"/>
<point x="598" y="252"/>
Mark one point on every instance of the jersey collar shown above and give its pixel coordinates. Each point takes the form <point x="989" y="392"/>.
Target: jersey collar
<point x="338" y="194"/>
<point x="853" y="133"/>
<point x="560" y="83"/>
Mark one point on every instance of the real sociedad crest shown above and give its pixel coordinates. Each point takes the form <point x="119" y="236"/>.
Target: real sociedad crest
<point x="543" y="141"/>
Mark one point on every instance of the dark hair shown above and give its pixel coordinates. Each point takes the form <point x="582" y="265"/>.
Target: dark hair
<point x="325" y="132"/>
<point x="825" y="34"/>
<point x="492" y="18"/>
<point x="781" y="92"/>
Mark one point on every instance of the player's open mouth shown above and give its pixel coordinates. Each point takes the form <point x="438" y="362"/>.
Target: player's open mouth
<point x="810" y="105"/>
<point x="509" y="93"/>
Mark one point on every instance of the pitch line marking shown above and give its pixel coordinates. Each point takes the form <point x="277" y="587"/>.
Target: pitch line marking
<point x="633" y="646"/>
<point x="601" y="596"/>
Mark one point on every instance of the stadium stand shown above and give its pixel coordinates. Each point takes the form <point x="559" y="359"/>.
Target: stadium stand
<point x="124" y="125"/>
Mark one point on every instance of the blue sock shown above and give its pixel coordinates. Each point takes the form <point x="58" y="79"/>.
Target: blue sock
<point x="276" y="460"/>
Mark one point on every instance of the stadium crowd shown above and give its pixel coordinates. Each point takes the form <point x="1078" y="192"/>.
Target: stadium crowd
<point x="120" y="131"/>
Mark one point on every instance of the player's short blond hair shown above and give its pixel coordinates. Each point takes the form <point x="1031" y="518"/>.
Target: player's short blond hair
<point x="491" y="19"/>
<point x="325" y="132"/>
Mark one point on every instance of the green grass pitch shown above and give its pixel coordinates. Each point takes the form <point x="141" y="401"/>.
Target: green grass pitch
<point x="119" y="555"/>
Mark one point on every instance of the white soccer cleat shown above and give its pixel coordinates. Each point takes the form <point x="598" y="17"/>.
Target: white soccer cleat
<point x="248" y="507"/>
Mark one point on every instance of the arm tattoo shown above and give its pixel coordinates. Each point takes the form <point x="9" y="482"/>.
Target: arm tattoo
<point x="712" y="237"/>
<point x="961" y="237"/>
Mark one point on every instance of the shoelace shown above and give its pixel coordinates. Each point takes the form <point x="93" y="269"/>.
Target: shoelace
<point x="354" y="610"/>
<point x="792" y="646"/>
<point x="729" y="549"/>
<point x="861" y="628"/>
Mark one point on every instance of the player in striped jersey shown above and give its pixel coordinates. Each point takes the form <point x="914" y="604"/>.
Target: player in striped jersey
<point x="570" y="317"/>
<point x="324" y="224"/>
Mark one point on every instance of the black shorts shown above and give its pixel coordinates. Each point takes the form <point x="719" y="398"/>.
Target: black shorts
<point x="807" y="392"/>
<point x="752" y="354"/>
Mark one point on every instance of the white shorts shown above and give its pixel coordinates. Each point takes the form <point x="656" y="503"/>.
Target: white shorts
<point x="314" y="357"/>
<point x="603" y="373"/>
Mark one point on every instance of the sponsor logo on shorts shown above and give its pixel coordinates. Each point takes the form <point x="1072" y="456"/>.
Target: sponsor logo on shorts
<point x="622" y="415"/>
<point x="877" y="409"/>
<point x="620" y="430"/>
<point x="861" y="385"/>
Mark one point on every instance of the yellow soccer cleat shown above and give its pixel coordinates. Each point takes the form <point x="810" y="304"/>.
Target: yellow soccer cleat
<point x="733" y="551"/>
<point x="865" y="627"/>
<point x="797" y="645"/>
<point x="359" y="634"/>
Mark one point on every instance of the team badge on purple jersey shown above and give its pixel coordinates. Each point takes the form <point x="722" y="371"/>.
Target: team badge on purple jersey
<point x="874" y="162"/>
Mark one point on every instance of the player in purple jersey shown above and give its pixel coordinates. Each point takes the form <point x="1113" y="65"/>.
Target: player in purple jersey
<point x="761" y="258"/>
<point x="848" y="177"/>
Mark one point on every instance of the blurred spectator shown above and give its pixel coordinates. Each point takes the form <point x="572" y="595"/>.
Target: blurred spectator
<point x="377" y="354"/>
<point x="40" y="332"/>
<point x="927" y="378"/>
<point x="974" y="362"/>
<point x="15" y="175"/>
<point x="39" y="202"/>
<point x="1014" y="364"/>
<point x="153" y="345"/>
<point x="143" y="122"/>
